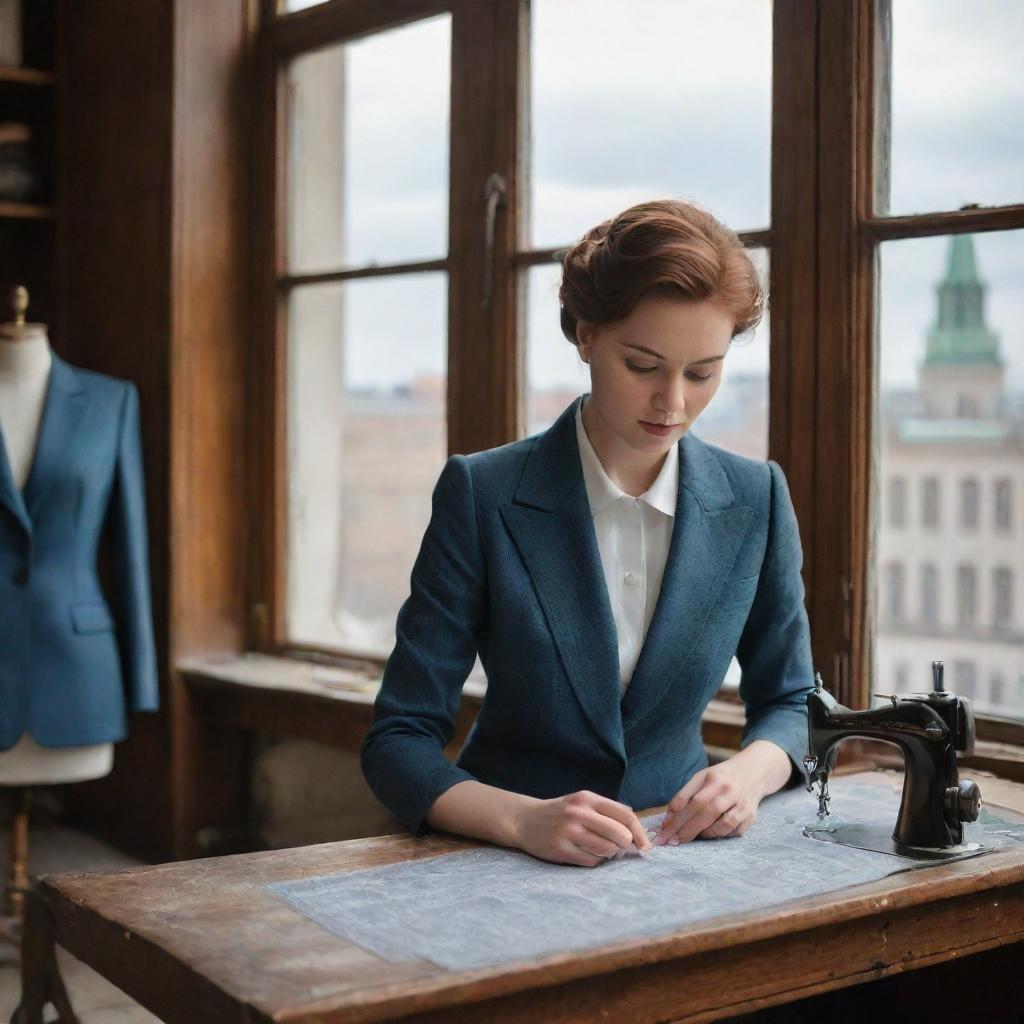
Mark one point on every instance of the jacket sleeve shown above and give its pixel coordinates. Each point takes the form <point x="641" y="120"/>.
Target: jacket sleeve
<point x="774" y="651"/>
<point x="132" y="602"/>
<point x="435" y="646"/>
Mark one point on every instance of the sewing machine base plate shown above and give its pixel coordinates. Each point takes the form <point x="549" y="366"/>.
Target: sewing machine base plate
<point x="879" y="839"/>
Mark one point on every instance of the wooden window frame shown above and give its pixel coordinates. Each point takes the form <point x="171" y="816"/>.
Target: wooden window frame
<point x="830" y="125"/>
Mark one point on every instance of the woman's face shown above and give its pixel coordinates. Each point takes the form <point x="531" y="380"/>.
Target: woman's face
<point x="660" y="365"/>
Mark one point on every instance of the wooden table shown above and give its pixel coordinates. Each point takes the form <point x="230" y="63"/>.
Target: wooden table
<point x="203" y="941"/>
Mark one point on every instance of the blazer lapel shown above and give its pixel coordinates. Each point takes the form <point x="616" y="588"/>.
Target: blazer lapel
<point x="9" y="494"/>
<point x="706" y="536"/>
<point x="549" y="521"/>
<point x="65" y="403"/>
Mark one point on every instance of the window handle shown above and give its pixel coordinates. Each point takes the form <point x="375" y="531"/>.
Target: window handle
<point x="494" y="193"/>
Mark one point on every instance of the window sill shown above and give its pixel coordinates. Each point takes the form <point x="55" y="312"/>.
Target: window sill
<point x="296" y="699"/>
<point x="290" y="697"/>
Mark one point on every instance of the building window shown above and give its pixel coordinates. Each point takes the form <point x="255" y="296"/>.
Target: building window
<point x="1004" y="504"/>
<point x="929" y="594"/>
<point x="1002" y="599"/>
<point x="997" y="690"/>
<point x="930" y="502"/>
<point x="965" y="678"/>
<point x="969" y="503"/>
<point x="902" y="677"/>
<point x="966" y="407"/>
<point x="966" y="596"/>
<point x="895" y="585"/>
<point x="897" y="501"/>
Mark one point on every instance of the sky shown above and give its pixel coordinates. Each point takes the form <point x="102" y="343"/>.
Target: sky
<point x="657" y="98"/>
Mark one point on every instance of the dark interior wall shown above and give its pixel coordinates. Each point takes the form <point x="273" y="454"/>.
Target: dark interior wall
<point x="151" y="271"/>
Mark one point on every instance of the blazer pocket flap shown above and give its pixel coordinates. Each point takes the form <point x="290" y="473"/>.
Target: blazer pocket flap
<point x="91" y="617"/>
<point x="738" y="592"/>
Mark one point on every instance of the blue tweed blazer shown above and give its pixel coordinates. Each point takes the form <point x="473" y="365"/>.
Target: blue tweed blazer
<point x="509" y="567"/>
<point x="72" y="663"/>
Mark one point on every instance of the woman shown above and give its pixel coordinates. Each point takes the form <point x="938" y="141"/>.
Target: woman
<point x="606" y="570"/>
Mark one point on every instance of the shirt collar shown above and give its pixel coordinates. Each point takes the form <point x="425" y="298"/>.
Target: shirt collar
<point x="601" y="491"/>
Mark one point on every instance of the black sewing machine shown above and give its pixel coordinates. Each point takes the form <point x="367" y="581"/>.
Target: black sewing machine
<point x="929" y="728"/>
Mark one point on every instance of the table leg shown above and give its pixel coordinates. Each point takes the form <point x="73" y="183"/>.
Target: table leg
<point x="41" y="982"/>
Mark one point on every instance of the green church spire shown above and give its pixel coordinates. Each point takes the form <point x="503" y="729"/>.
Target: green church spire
<point x="960" y="334"/>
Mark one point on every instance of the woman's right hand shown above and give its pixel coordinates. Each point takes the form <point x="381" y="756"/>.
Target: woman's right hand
<point x="581" y="828"/>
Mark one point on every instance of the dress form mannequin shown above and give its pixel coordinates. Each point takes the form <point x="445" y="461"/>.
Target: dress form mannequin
<point x="25" y="361"/>
<point x="79" y="652"/>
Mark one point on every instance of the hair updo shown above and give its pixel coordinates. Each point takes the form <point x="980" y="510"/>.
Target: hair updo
<point x="668" y="247"/>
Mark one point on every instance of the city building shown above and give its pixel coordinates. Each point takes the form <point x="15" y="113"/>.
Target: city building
<point x="950" y="527"/>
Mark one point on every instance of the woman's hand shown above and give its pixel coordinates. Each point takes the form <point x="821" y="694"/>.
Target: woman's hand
<point x="721" y="801"/>
<point x="581" y="828"/>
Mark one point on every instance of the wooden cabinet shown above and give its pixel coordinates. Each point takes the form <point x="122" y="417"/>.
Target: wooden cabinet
<point x="28" y="96"/>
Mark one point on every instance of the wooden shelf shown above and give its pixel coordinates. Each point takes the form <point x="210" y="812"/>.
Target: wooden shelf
<point x="26" y="211"/>
<point x="26" y="76"/>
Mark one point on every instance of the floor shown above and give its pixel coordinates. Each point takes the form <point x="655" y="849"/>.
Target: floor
<point x="52" y="849"/>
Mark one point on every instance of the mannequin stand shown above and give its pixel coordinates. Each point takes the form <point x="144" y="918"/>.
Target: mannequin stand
<point x="17" y="874"/>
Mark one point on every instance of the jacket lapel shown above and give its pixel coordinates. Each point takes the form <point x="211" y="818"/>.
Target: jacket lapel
<point x="550" y="522"/>
<point x="706" y="536"/>
<point x="9" y="494"/>
<point x="65" y="403"/>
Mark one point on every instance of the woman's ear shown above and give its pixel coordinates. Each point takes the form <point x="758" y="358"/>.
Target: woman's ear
<point x="584" y="339"/>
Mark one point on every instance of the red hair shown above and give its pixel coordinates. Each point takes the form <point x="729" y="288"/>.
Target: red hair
<point x="665" y="246"/>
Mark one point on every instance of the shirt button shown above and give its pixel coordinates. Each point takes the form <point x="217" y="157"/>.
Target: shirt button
<point x="629" y="578"/>
<point x="21" y="576"/>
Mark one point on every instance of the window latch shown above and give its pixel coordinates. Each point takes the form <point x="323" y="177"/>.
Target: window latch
<point x="494" y="194"/>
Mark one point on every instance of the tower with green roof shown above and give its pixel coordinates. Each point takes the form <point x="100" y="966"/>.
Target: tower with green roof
<point x="962" y="373"/>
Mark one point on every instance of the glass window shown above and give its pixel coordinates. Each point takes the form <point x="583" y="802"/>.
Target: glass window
<point x="366" y="442"/>
<point x="555" y="374"/>
<point x="897" y="501"/>
<point x="1002" y="601"/>
<point x="368" y="150"/>
<point x="1004" y="504"/>
<point x="930" y="502"/>
<point x="965" y="678"/>
<point x="969" y="504"/>
<point x="950" y="343"/>
<point x="620" y="111"/>
<point x="957" y="94"/>
<point x="966" y="595"/>
<point x="902" y="678"/>
<point x="929" y="594"/>
<point x="895" y="585"/>
<point x="366" y="125"/>
<point x="997" y="690"/>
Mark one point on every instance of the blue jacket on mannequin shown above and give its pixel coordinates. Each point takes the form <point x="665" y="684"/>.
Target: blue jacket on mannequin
<point x="71" y="663"/>
<point x="509" y="567"/>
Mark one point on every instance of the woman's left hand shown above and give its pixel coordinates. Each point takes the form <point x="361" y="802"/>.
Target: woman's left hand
<point x="722" y="800"/>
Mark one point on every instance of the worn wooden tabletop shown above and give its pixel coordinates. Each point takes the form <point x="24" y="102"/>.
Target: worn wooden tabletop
<point x="204" y="941"/>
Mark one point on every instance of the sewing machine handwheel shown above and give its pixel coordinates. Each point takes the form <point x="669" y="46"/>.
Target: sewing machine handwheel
<point x="964" y="800"/>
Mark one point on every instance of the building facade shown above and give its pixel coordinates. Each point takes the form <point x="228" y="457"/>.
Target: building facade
<point x="950" y="527"/>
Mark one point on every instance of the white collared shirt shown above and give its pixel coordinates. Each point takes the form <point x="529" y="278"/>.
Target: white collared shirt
<point x="633" y="536"/>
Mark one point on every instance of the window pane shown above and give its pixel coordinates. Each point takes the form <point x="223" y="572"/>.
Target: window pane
<point x="366" y="442"/>
<point x="368" y="149"/>
<point x="957" y="97"/>
<point x="555" y="374"/>
<point x="647" y="100"/>
<point x="952" y="426"/>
